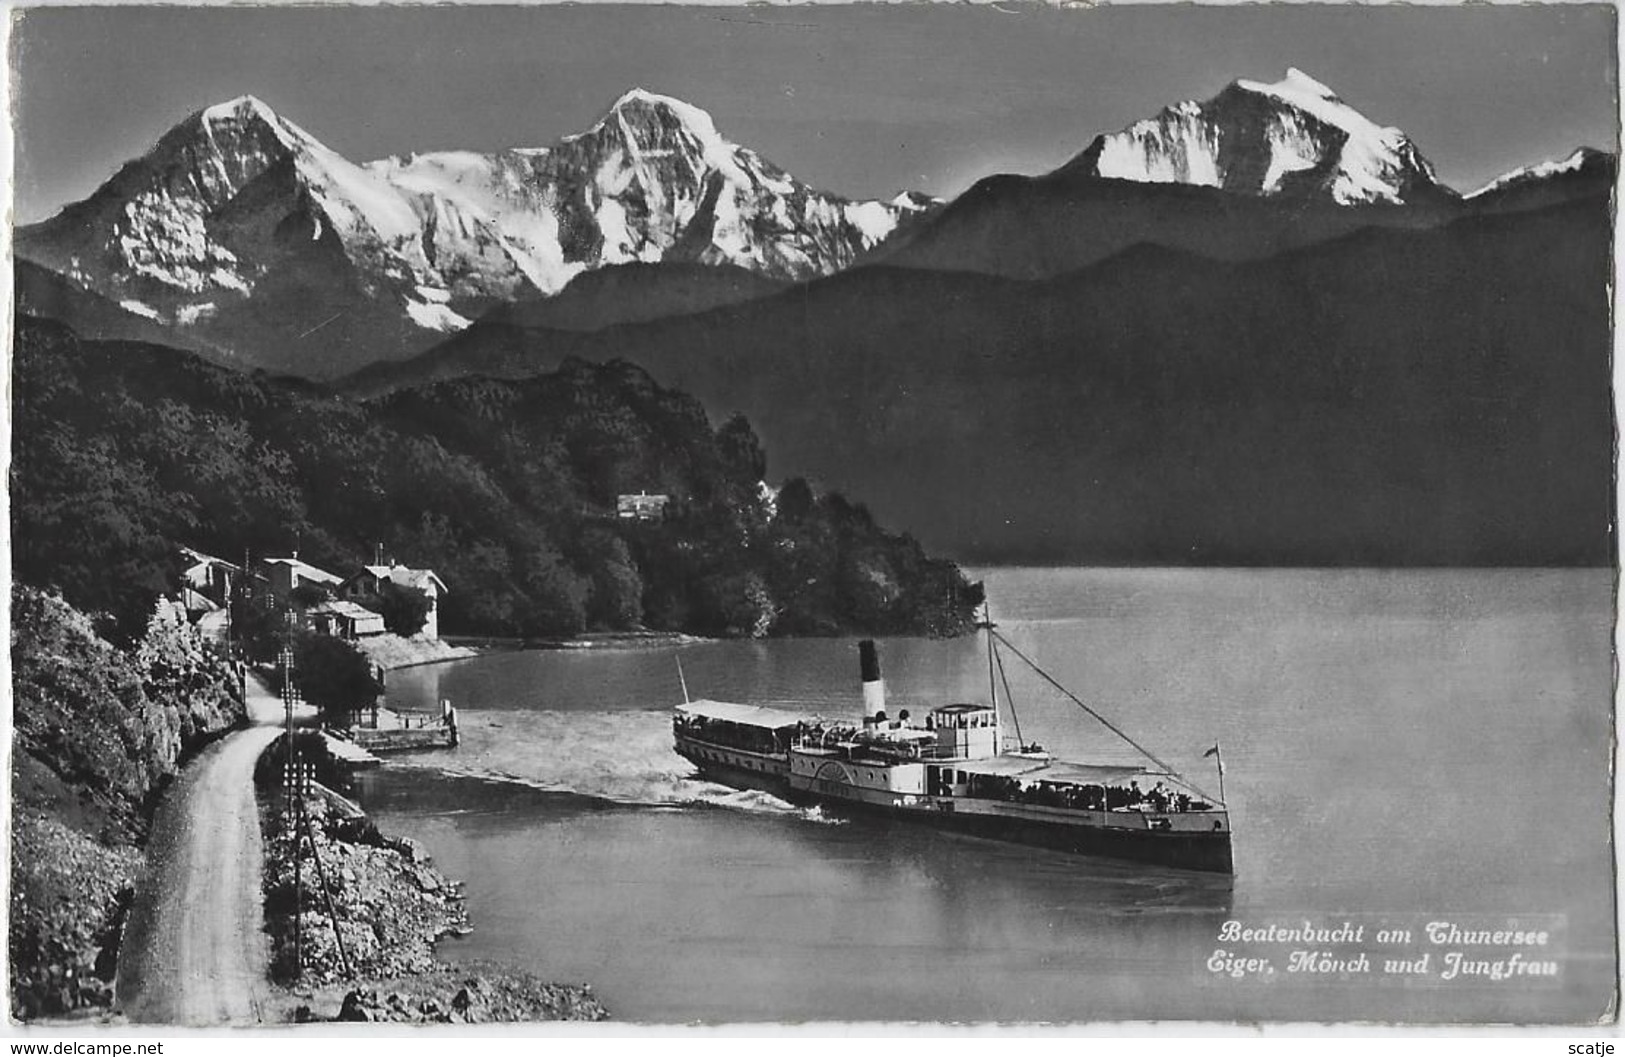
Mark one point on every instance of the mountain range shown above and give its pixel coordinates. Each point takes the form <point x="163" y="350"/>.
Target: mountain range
<point x="1256" y="329"/>
<point x="246" y="239"/>
<point x="259" y="245"/>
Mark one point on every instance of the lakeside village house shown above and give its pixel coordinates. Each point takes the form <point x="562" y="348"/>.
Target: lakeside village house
<point x="207" y="583"/>
<point x="641" y="507"/>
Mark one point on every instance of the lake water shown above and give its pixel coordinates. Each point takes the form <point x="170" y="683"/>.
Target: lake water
<point x="1401" y="748"/>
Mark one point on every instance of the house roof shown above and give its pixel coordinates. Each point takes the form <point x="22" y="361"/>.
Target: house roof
<point x="306" y="570"/>
<point x="406" y="576"/>
<point x="339" y="607"/>
<point x="199" y="558"/>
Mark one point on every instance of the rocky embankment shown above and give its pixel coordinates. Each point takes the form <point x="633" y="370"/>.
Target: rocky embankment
<point x="99" y="730"/>
<point x="391" y="906"/>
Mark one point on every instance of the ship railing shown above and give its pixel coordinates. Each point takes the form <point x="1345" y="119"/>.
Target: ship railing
<point x="1069" y="796"/>
<point x="877" y="748"/>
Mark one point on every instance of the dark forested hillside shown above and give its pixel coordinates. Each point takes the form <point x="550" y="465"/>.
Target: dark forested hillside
<point x="506" y="489"/>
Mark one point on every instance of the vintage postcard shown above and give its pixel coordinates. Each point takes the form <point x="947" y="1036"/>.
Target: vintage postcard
<point x="812" y="515"/>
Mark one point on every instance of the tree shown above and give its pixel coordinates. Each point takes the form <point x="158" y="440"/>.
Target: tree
<point x="556" y="597"/>
<point x="742" y="449"/>
<point x="333" y="675"/>
<point x="615" y="594"/>
<point x="405" y="609"/>
<point x="739" y="604"/>
<point x="796" y="499"/>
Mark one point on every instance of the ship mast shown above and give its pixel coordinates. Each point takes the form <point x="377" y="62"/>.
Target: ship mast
<point x="1108" y="724"/>
<point x="987" y="625"/>
<point x="995" y="674"/>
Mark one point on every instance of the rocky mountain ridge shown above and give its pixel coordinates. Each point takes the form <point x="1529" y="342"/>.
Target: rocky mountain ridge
<point x="1290" y="138"/>
<point x="248" y="235"/>
<point x="242" y="237"/>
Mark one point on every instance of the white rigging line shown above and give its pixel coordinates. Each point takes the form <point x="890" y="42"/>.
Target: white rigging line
<point x="1108" y="724"/>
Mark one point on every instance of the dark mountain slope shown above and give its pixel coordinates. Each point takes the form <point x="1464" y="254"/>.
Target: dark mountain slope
<point x="1039" y="227"/>
<point x="45" y="294"/>
<point x="636" y="293"/>
<point x="1391" y="397"/>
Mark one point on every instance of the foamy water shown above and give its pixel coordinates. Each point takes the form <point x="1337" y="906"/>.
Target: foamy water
<point x="622" y="757"/>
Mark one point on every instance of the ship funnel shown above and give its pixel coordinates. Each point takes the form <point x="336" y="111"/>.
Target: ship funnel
<point x="874" y="687"/>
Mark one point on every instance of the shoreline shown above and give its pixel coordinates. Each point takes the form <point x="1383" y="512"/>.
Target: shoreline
<point x="391" y="652"/>
<point x="390" y="907"/>
<point x="608" y="640"/>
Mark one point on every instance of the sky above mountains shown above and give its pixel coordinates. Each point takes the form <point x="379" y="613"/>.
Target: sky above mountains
<point x="860" y="100"/>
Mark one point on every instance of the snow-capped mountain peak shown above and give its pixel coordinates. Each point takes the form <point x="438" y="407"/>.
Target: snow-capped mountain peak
<point x="648" y="124"/>
<point x="690" y="116"/>
<point x="1582" y="158"/>
<point x="1298" y="82"/>
<point x="640" y="108"/>
<point x="1293" y="137"/>
<point x="239" y="109"/>
<point x="236" y="200"/>
<point x="244" y="129"/>
<point x="1300" y="90"/>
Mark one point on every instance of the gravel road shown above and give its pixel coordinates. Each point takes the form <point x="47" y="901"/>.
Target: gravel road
<point x="194" y="950"/>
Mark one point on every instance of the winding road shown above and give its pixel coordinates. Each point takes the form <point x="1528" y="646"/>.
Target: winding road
<point x="194" y="949"/>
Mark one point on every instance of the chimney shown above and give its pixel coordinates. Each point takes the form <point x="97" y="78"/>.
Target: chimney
<point x="378" y="554"/>
<point x="874" y="687"/>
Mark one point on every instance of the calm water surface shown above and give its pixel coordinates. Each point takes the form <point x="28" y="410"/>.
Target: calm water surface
<point x="1400" y="746"/>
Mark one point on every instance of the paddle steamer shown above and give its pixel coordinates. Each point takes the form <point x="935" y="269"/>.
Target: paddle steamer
<point x="954" y="771"/>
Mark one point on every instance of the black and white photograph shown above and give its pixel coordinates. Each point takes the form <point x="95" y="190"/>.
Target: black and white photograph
<point x="812" y="517"/>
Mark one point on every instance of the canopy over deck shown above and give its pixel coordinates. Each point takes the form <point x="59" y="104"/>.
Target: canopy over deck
<point x="745" y="715"/>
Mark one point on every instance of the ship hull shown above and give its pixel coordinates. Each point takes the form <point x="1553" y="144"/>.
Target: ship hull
<point x="1099" y="834"/>
<point x="764" y="772"/>
<point x="1207" y="852"/>
<point x="1204" y="852"/>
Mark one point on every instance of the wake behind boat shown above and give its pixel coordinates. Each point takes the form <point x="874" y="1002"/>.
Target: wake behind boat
<point x="954" y="771"/>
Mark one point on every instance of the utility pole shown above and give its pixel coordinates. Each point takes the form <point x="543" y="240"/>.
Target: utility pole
<point x="299" y="779"/>
<point x="293" y="802"/>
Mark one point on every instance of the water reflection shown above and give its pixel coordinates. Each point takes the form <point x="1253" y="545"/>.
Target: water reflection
<point x="723" y="915"/>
